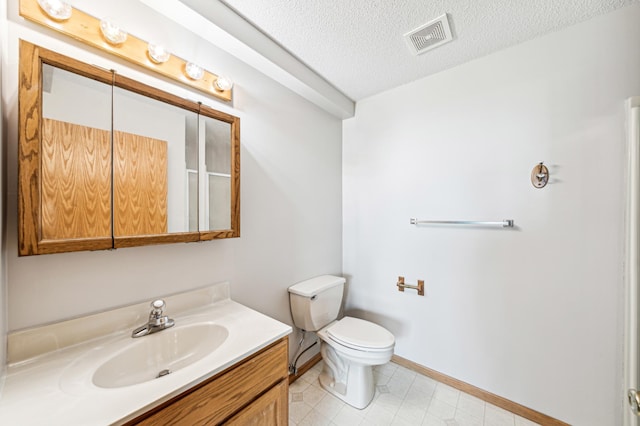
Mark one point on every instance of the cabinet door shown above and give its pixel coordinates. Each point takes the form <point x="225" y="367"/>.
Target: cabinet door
<point x="64" y="154"/>
<point x="271" y="409"/>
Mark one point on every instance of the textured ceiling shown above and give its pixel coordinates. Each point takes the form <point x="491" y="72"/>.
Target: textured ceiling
<point x="358" y="45"/>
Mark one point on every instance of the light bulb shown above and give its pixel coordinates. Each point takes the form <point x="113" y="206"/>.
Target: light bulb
<point x="113" y="33"/>
<point x="194" y="71"/>
<point x="56" y="9"/>
<point x="223" y="83"/>
<point x="158" y="53"/>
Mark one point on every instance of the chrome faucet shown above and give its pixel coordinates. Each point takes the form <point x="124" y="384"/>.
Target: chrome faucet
<point x="157" y="321"/>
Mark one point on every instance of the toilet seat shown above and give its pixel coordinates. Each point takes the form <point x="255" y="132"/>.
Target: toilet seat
<point x="360" y="335"/>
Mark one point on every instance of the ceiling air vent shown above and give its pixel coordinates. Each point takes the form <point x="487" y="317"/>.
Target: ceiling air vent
<point x="429" y="36"/>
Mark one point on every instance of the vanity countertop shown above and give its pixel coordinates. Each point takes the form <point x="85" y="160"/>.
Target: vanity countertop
<point x="56" y="388"/>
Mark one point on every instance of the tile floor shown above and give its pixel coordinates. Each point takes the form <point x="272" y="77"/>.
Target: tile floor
<point x="403" y="398"/>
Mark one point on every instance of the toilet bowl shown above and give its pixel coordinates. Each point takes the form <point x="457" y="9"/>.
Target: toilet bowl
<point x="350" y="347"/>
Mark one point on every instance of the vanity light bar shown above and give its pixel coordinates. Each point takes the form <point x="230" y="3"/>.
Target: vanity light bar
<point x="85" y="28"/>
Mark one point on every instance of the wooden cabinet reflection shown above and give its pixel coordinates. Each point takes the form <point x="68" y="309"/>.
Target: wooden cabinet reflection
<point x="76" y="183"/>
<point x="139" y="185"/>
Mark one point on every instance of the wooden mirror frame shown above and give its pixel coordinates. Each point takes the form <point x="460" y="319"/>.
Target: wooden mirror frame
<point x="30" y="241"/>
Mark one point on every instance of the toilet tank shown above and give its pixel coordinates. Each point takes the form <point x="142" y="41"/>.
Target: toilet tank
<point x="316" y="302"/>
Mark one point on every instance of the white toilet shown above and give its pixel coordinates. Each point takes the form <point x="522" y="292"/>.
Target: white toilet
<point x="349" y="347"/>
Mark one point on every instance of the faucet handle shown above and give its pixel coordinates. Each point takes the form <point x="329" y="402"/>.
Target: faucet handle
<point x="158" y="306"/>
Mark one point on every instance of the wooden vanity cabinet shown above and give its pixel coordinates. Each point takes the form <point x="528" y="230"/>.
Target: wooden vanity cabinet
<point x="253" y="392"/>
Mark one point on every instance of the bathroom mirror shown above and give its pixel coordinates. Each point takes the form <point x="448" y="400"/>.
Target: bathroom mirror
<point x="75" y="188"/>
<point x="220" y="177"/>
<point x="150" y="179"/>
<point x="108" y="162"/>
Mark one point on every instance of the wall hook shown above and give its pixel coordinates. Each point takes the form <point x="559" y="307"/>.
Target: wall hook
<point x="540" y="175"/>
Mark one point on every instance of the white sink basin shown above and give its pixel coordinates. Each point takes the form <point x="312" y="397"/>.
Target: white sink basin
<point x="153" y="356"/>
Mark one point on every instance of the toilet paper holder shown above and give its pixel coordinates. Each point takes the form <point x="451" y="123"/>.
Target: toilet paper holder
<point x="420" y="287"/>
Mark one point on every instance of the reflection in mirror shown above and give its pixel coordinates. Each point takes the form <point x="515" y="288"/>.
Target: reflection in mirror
<point x="192" y="147"/>
<point x="76" y="156"/>
<point x="153" y="152"/>
<point x="216" y="176"/>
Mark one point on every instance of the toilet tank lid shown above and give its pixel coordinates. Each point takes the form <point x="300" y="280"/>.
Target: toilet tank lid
<point x="309" y="288"/>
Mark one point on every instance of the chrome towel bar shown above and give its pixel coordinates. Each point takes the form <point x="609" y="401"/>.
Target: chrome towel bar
<point x="507" y="223"/>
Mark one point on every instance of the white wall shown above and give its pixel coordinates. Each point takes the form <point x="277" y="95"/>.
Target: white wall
<point x="533" y="314"/>
<point x="290" y="197"/>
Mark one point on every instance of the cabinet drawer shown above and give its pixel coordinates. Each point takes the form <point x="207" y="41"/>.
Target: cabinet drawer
<point x="226" y="394"/>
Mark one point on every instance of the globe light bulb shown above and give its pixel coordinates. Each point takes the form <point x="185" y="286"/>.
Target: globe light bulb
<point x="56" y="9"/>
<point x="113" y="33"/>
<point x="223" y="83"/>
<point x="158" y="53"/>
<point x="194" y="71"/>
